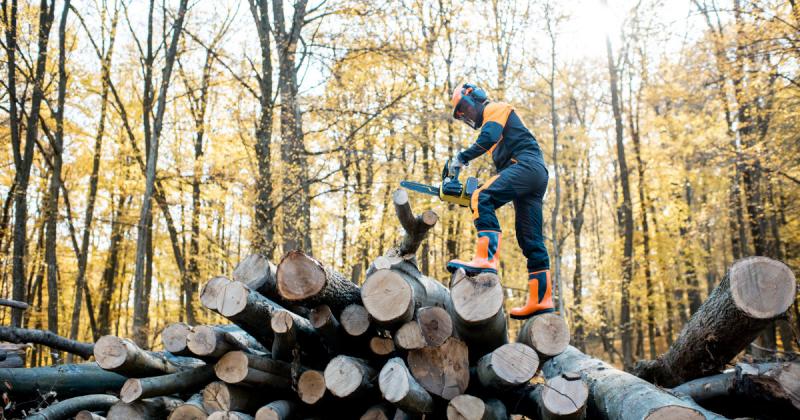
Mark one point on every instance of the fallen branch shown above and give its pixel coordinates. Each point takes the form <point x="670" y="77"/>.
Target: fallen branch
<point x="46" y="338"/>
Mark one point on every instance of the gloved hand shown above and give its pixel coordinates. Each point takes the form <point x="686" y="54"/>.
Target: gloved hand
<point x="455" y="166"/>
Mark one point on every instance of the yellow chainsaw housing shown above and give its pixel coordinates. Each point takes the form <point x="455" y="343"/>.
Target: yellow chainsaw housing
<point x="464" y="198"/>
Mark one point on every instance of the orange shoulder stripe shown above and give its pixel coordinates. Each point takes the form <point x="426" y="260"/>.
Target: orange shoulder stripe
<point x="497" y="112"/>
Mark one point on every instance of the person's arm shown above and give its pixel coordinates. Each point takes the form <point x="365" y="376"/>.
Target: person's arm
<point x="495" y="116"/>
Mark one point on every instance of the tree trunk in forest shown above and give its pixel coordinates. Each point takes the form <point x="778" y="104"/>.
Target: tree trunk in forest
<point x="558" y="288"/>
<point x="296" y="201"/>
<point x="625" y="211"/>
<point x="110" y="270"/>
<point x="23" y="159"/>
<point x="755" y="291"/>
<point x="141" y="298"/>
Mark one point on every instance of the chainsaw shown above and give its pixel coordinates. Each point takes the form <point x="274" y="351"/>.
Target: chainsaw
<point x="451" y="190"/>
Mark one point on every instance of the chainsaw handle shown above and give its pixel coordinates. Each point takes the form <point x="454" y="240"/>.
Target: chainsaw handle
<point x="450" y="171"/>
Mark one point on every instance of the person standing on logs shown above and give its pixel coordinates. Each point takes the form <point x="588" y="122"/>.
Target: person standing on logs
<point x="522" y="178"/>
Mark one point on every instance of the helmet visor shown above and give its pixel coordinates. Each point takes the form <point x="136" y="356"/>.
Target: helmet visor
<point x="466" y="111"/>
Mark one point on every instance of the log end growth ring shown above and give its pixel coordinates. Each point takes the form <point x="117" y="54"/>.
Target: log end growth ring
<point x="233" y="299"/>
<point x="547" y="333"/>
<point x="565" y="395"/>
<point x="386" y="296"/>
<point x="110" y="352"/>
<point x="311" y="386"/>
<point x="515" y="363"/>
<point x="466" y="407"/>
<point x="174" y="337"/>
<point x="342" y="376"/>
<point x="211" y="291"/>
<point x="762" y="287"/>
<point x="131" y="390"/>
<point x="300" y="276"/>
<point x="232" y="368"/>
<point x="202" y="341"/>
<point x="393" y="381"/>
<point x="478" y="298"/>
<point x="675" y="412"/>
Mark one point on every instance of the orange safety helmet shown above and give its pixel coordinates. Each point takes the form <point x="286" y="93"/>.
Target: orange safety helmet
<point x="468" y="101"/>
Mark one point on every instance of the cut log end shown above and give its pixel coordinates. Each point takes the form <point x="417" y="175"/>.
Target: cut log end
<point x="174" y="337"/>
<point x="232" y="299"/>
<point x="202" y="341"/>
<point x="443" y="370"/>
<point x="345" y="376"/>
<point x="466" y="407"/>
<point x="311" y="386"/>
<point x="430" y="218"/>
<point x="188" y="412"/>
<point x="762" y="287"/>
<point x="212" y="290"/>
<point x="548" y="334"/>
<point x="282" y="322"/>
<point x="355" y="320"/>
<point x="387" y="296"/>
<point x="409" y="336"/>
<point x="435" y="324"/>
<point x="509" y="365"/>
<point x="277" y="410"/>
<point x="565" y="396"/>
<point x="381" y="346"/>
<point x="377" y="412"/>
<point x="110" y="352"/>
<point x="131" y="390"/>
<point x="229" y="415"/>
<point x="320" y="316"/>
<point x="254" y="271"/>
<point x="300" y="276"/>
<point x="476" y="299"/>
<point x="233" y="367"/>
<point x="89" y="415"/>
<point x="394" y="381"/>
<point x="675" y="412"/>
<point x="400" y="197"/>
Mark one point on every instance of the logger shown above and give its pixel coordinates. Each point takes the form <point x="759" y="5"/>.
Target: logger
<point x="521" y="178"/>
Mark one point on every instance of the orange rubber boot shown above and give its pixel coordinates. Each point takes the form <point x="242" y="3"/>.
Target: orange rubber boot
<point x="540" y="296"/>
<point x="487" y="255"/>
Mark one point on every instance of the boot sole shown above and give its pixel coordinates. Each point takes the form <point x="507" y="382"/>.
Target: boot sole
<point x="452" y="268"/>
<point x="540" y="312"/>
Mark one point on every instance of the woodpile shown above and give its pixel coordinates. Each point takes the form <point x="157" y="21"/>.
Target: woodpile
<point x="306" y="342"/>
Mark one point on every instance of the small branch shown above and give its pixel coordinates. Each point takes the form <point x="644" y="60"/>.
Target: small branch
<point x="46" y="338"/>
<point x="13" y="304"/>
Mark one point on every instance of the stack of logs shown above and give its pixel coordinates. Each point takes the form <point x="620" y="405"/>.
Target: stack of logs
<point x="306" y="342"/>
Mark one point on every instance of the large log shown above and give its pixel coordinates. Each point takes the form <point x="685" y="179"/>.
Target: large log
<point x="278" y="410"/>
<point x="209" y="296"/>
<point x="306" y="281"/>
<point x="192" y="409"/>
<point x="443" y="370"/>
<point x="68" y="408"/>
<point x="151" y="408"/>
<point x="290" y="324"/>
<point x="435" y="324"/>
<point x="259" y="274"/>
<point x="124" y="357"/>
<point x="468" y="407"/>
<point x="214" y="341"/>
<point x="65" y="380"/>
<point x="46" y="338"/>
<point x="416" y="227"/>
<point x="219" y="396"/>
<point x="311" y="386"/>
<point x="765" y="389"/>
<point x="508" y="366"/>
<point x="248" y="309"/>
<point x="401" y="389"/>
<point x="181" y="382"/>
<point x="395" y="289"/>
<point x="240" y="368"/>
<point x="174" y="338"/>
<point x="477" y="312"/>
<point x="347" y="376"/>
<point x="548" y="334"/>
<point x="563" y="397"/>
<point x="615" y="394"/>
<point x="755" y="291"/>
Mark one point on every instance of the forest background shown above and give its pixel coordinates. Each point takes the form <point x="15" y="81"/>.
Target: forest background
<point x="148" y="146"/>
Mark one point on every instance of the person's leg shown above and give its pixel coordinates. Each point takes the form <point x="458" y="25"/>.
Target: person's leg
<point x="496" y="192"/>
<point x="529" y="223"/>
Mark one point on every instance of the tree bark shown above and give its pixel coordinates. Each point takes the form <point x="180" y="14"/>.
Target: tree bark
<point x="213" y="342"/>
<point x="64" y="380"/>
<point x="477" y="312"/>
<point x="68" y="408"/>
<point x="401" y="389"/>
<point x="47" y="338"/>
<point x="755" y="291"/>
<point x="185" y="381"/>
<point x="249" y="310"/>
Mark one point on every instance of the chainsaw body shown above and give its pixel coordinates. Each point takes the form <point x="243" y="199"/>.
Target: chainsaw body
<point x="451" y="190"/>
